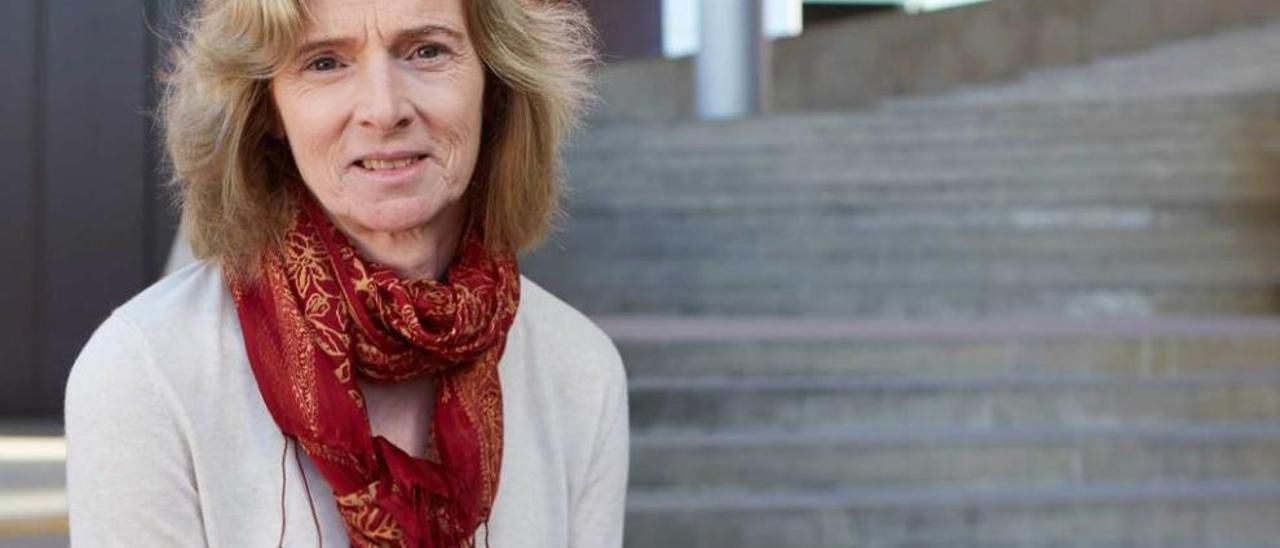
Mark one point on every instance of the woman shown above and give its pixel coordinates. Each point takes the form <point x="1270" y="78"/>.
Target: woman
<point x="355" y="359"/>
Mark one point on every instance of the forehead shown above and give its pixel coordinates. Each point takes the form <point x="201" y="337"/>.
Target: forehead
<point x="354" y="18"/>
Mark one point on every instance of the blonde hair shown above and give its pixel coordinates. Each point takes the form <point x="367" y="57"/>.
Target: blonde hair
<point x="230" y="172"/>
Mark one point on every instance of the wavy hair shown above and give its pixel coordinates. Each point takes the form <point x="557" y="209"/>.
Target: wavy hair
<point x="229" y="171"/>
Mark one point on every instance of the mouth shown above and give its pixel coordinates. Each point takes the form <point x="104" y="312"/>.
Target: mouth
<point x="388" y="163"/>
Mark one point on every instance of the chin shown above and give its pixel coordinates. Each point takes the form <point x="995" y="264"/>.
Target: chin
<point x="394" y="216"/>
<point x="397" y="214"/>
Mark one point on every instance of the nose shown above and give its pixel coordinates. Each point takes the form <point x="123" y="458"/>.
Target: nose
<point x="381" y="101"/>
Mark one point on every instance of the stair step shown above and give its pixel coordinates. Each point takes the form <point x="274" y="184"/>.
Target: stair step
<point x="974" y="135"/>
<point x="910" y="289"/>
<point x="1100" y="87"/>
<point x="1255" y="261"/>
<point x="1129" y="177"/>
<point x="1044" y="137"/>
<point x="842" y="271"/>
<point x="684" y="404"/>
<point x="844" y="278"/>
<point x="643" y="501"/>
<point x="16" y="475"/>
<point x="1156" y="195"/>
<point x="878" y="156"/>
<point x="907" y="454"/>
<point x="33" y="515"/>
<point x="1200" y="515"/>
<point x="1022" y="234"/>
<point x="964" y="121"/>
<point x="664" y="347"/>
<point x="905" y="435"/>
<point x="925" y="176"/>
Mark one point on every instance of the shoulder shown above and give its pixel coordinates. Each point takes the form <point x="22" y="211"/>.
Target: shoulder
<point x="189" y="294"/>
<point x="168" y="308"/>
<point x="572" y="383"/>
<point x="572" y="365"/>
<point x="159" y="336"/>
<point x="584" y="386"/>
<point x="566" y="336"/>
<point x="185" y="316"/>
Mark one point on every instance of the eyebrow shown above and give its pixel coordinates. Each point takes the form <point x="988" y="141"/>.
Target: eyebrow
<point x="406" y="35"/>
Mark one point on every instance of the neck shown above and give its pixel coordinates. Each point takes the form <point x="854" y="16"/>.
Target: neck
<point x="420" y="253"/>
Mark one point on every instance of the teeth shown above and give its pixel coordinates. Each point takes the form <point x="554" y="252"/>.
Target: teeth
<point x="387" y="164"/>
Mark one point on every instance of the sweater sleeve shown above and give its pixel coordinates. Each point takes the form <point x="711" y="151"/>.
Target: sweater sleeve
<point x="597" y="519"/>
<point x="130" y="479"/>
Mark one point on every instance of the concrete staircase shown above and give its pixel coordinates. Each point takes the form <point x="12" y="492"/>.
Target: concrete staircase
<point x="973" y="210"/>
<point x="752" y="432"/>
<point x="1039" y="314"/>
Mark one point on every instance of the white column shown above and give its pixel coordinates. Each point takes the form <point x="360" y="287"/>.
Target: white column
<point x="732" y="67"/>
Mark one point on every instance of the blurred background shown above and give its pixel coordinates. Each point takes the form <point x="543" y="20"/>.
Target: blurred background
<point x="884" y="273"/>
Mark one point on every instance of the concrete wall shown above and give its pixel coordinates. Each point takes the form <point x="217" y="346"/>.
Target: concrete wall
<point x="851" y="64"/>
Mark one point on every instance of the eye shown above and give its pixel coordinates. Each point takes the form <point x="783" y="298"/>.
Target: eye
<point x="428" y="51"/>
<point x="322" y="64"/>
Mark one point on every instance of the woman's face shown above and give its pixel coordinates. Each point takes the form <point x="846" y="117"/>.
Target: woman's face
<point x="382" y="109"/>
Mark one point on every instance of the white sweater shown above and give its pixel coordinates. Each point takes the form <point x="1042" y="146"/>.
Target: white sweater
<point x="170" y="444"/>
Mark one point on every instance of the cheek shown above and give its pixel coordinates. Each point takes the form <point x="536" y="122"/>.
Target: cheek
<point x="314" y="140"/>
<point x="462" y="124"/>
<point x="464" y="148"/>
<point x="313" y="131"/>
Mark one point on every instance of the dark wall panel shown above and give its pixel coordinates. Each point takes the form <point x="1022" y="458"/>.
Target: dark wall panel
<point x="628" y="28"/>
<point x="94" y="155"/>
<point x="19" y="93"/>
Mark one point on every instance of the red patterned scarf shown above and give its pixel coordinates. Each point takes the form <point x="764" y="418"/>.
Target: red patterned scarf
<point x="317" y="313"/>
